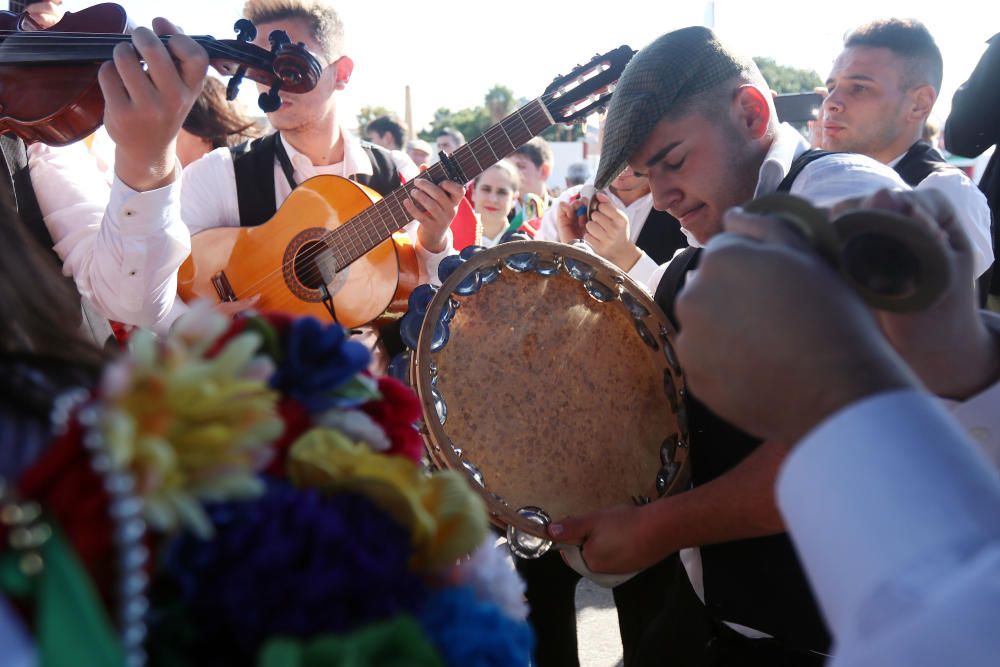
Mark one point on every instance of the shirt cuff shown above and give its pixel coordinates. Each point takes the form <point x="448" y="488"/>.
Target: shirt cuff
<point x="643" y="269"/>
<point x="429" y="260"/>
<point x="885" y="487"/>
<point x="139" y="213"/>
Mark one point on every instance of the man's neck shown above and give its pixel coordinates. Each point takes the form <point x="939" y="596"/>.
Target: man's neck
<point x="323" y="146"/>
<point x="898" y="148"/>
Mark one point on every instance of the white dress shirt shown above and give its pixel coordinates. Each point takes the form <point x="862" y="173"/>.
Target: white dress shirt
<point x="970" y="206"/>
<point x="121" y="247"/>
<point x="896" y="517"/>
<point x="823" y="182"/>
<point x="637" y="212"/>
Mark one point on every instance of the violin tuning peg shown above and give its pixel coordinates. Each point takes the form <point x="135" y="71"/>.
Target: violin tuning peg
<point x="278" y="38"/>
<point x="246" y="31"/>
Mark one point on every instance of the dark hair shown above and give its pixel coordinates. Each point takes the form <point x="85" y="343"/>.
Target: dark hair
<point x="384" y="124"/>
<point x="537" y="150"/>
<point x="908" y="39"/>
<point x="216" y="119"/>
<point x="455" y="135"/>
<point x="41" y="309"/>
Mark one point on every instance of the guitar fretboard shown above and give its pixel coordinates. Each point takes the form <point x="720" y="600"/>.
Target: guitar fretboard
<point x="378" y="222"/>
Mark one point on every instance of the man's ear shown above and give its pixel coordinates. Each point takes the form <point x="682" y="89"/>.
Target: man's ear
<point x="344" y="69"/>
<point x="753" y="110"/>
<point x="546" y="170"/>
<point x="922" y="100"/>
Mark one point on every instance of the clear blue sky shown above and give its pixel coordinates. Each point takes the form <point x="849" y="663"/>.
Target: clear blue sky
<point x="451" y="53"/>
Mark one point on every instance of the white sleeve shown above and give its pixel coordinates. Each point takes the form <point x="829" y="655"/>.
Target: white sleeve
<point x="122" y="247"/>
<point x="644" y="270"/>
<point x="972" y="210"/>
<point x="834" y="178"/>
<point x="208" y="195"/>
<point x="890" y="507"/>
<point x="548" y="230"/>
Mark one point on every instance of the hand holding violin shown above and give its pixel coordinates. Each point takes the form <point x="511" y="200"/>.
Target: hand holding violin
<point x="144" y="109"/>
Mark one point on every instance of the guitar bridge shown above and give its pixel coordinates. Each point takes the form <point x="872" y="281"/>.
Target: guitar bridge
<point x="222" y="287"/>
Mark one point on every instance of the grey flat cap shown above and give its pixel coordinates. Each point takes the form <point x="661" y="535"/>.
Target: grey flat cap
<point x="671" y="69"/>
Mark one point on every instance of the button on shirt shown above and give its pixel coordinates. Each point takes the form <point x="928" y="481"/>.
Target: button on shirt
<point x="121" y="247"/>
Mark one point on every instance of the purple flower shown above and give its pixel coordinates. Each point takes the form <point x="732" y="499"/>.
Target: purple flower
<point x="470" y="632"/>
<point x="317" y="360"/>
<point x="294" y="563"/>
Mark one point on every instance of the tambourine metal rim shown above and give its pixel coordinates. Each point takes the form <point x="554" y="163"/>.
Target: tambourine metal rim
<point x="439" y="446"/>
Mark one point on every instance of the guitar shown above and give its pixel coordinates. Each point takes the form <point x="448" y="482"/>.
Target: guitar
<point x="331" y="250"/>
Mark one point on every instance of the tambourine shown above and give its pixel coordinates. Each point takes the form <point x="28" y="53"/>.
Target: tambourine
<point x="549" y="379"/>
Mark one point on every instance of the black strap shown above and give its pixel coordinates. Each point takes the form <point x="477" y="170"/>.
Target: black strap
<point x="798" y="164"/>
<point x="920" y="161"/>
<point x="254" y="167"/>
<point x="661" y="236"/>
<point x="673" y="280"/>
<point x="20" y="196"/>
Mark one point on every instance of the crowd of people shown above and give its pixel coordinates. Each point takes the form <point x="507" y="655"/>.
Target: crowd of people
<point x="844" y="500"/>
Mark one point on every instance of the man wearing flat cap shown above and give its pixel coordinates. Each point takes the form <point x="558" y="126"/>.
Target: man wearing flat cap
<point x="699" y="121"/>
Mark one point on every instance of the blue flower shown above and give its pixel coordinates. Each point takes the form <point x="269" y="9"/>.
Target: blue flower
<point x="470" y="632"/>
<point x="317" y="360"/>
<point x="294" y="563"/>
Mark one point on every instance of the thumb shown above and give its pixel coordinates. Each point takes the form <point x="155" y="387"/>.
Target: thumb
<point x="571" y="530"/>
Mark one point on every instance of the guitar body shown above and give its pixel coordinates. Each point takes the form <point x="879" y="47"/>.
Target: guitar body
<point x="277" y="259"/>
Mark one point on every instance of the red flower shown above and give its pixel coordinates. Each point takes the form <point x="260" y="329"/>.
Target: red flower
<point x="297" y="422"/>
<point x="397" y="414"/>
<point x="278" y="321"/>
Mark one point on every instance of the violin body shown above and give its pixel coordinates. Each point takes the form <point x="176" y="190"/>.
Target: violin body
<point x="56" y="103"/>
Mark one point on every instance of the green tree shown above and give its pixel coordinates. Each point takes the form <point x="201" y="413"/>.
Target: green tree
<point x="369" y="113"/>
<point x="499" y="102"/>
<point x="783" y="79"/>
<point x="471" y="122"/>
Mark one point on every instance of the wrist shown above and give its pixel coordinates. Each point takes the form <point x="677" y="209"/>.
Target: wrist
<point x="146" y="173"/>
<point x="432" y="242"/>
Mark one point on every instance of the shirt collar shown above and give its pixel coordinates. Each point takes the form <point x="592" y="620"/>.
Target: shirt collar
<point x="788" y="144"/>
<point x="355" y="159"/>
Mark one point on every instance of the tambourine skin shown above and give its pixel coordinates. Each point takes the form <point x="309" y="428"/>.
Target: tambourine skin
<point x="557" y="383"/>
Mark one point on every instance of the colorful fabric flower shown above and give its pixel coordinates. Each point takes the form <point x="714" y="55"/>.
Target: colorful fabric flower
<point x="490" y="573"/>
<point x="317" y="360"/>
<point x="473" y="633"/>
<point x="293" y="562"/>
<point x="189" y="428"/>
<point x="396" y="643"/>
<point x="397" y="412"/>
<point x="445" y="518"/>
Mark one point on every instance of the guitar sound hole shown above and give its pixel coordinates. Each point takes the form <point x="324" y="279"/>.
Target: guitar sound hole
<point x="305" y="267"/>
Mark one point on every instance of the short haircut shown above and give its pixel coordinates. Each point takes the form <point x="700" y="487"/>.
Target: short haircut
<point x="384" y="124"/>
<point x="910" y="40"/>
<point x="454" y="134"/>
<point x="323" y="21"/>
<point x="537" y="150"/>
<point x="508" y="168"/>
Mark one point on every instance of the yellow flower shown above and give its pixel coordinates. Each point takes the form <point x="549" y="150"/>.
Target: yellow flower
<point x="445" y="518"/>
<point x="190" y="429"/>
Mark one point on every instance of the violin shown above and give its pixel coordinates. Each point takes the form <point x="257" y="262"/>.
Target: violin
<point x="48" y="78"/>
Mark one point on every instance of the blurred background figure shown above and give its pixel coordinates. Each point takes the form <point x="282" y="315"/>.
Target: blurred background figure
<point x="213" y="122"/>
<point x="578" y="173"/>
<point x="449" y="139"/>
<point x="420" y="152"/>
<point x="388" y="133"/>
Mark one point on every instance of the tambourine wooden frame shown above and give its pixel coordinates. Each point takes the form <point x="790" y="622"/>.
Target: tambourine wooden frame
<point x="438" y="444"/>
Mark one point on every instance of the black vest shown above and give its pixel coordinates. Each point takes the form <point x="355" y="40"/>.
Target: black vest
<point x="756" y="582"/>
<point x="254" y="166"/>
<point x="661" y="236"/>
<point x="921" y="161"/>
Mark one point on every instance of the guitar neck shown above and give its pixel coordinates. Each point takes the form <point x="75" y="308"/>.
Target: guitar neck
<point x="378" y="222"/>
